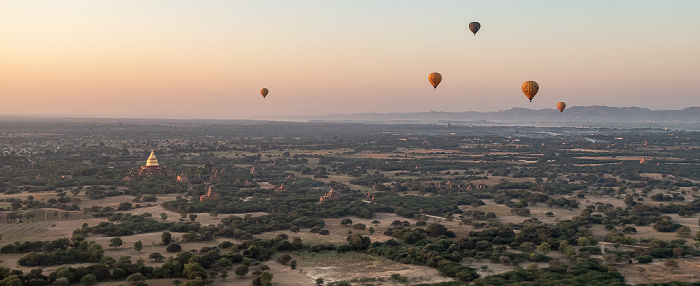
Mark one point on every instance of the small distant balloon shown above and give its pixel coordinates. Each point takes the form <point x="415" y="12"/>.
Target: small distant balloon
<point x="264" y="91"/>
<point x="474" y="27"/>
<point x="561" y="105"/>
<point x="530" y="88"/>
<point x="435" y="79"/>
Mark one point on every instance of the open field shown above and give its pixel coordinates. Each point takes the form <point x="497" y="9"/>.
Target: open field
<point x="332" y="266"/>
<point x="657" y="272"/>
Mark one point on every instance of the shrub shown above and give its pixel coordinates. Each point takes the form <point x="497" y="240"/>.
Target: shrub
<point x="173" y="247"/>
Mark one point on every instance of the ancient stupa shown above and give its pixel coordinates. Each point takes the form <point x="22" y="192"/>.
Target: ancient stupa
<point x="152" y="168"/>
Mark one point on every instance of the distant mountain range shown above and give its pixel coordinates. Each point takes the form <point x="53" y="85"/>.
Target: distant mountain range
<point x="571" y="114"/>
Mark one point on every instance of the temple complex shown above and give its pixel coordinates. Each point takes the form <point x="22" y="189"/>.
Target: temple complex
<point x="152" y="168"/>
<point x="329" y="196"/>
<point x="183" y="179"/>
<point x="369" y="196"/>
<point x="211" y="194"/>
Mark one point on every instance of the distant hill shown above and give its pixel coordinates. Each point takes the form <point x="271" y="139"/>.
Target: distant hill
<point x="571" y="114"/>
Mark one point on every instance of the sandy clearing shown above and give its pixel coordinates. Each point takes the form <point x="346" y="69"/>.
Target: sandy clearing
<point x="333" y="266"/>
<point x="656" y="272"/>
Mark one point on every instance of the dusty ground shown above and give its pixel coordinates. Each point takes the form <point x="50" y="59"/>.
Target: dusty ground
<point x="332" y="266"/>
<point x="656" y="272"/>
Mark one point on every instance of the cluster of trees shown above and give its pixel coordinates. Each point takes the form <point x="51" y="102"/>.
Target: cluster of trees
<point x="128" y="224"/>
<point x="440" y="254"/>
<point x="78" y="252"/>
<point x="36" y="246"/>
<point x="197" y="268"/>
<point x="587" y="272"/>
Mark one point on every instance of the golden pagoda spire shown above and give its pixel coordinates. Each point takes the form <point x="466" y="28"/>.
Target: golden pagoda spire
<point x="152" y="161"/>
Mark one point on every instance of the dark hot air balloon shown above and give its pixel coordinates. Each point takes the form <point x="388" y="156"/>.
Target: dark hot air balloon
<point x="264" y="91"/>
<point x="474" y="27"/>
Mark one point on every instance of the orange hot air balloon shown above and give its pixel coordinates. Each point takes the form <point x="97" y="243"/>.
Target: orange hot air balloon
<point x="530" y="88"/>
<point x="435" y="79"/>
<point x="474" y="27"/>
<point x="264" y="91"/>
<point x="561" y="105"/>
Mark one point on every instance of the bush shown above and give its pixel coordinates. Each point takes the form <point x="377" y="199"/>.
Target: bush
<point x="88" y="279"/>
<point x="645" y="259"/>
<point x="173" y="247"/>
<point x="63" y="281"/>
<point x="399" y="278"/>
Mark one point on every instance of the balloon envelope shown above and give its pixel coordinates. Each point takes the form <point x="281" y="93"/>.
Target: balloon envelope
<point x="435" y="79"/>
<point x="561" y="105"/>
<point x="530" y="88"/>
<point x="474" y="27"/>
<point x="264" y="91"/>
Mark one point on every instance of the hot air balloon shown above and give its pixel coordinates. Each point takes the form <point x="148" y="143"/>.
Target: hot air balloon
<point x="561" y="105"/>
<point x="435" y="79"/>
<point x="530" y="88"/>
<point x="264" y="91"/>
<point x="474" y="27"/>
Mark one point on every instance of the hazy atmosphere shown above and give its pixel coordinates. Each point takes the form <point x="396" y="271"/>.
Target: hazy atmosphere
<point x="209" y="59"/>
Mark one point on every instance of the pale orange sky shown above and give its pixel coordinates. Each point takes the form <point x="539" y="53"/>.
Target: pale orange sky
<point x="209" y="59"/>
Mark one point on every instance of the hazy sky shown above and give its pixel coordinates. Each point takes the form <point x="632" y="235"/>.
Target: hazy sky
<point x="209" y="59"/>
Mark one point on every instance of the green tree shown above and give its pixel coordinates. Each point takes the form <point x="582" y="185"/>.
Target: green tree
<point x="223" y="262"/>
<point x="157" y="257"/>
<point x="138" y="246"/>
<point x="64" y="272"/>
<point x="346" y="222"/>
<point x="544" y="248"/>
<point x="88" y="279"/>
<point x="12" y="280"/>
<point x="173" y="247"/>
<point x="166" y="238"/>
<point x="266" y="278"/>
<point x="193" y="270"/>
<point x="436" y="229"/>
<point x="583" y="241"/>
<point x="319" y="281"/>
<point x="62" y="281"/>
<point x="163" y="216"/>
<point x="683" y="231"/>
<point x="193" y="217"/>
<point x="116" y="242"/>
<point x="527" y="246"/>
<point x="241" y="270"/>
<point x="136" y="279"/>
<point x="246" y="261"/>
